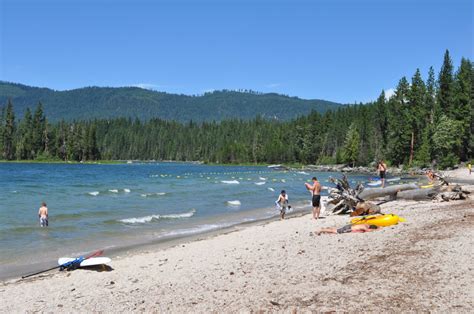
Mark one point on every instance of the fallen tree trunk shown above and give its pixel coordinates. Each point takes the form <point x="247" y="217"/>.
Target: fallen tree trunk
<point x="417" y="195"/>
<point x="370" y="194"/>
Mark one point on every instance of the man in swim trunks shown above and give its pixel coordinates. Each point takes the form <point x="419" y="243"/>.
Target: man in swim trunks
<point x="282" y="203"/>
<point x="315" y="190"/>
<point x="43" y="215"/>
<point x="348" y="229"/>
<point x="382" y="168"/>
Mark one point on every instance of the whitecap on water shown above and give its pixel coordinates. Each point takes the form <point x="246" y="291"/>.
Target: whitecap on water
<point x="126" y="190"/>
<point x="231" y="182"/>
<point x="271" y="189"/>
<point x="153" y="194"/>
<point x="113" y="191"/>
<point x="234" y="203"/>
<point x="260" y="183"/>
<point x="95" y="193"/>
<point x="145" y="219"/>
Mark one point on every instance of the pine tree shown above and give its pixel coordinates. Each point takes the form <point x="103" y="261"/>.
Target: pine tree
<point x="399" y="137"/>
<point x="463" y="105"/>
<point x="445" y="87"/>
<point x="39" y="126"/>
<point x="352" y="145"/>
<point x="9" y="133"/>
<point x="416" y="111"/>
<point x="431" y="105"/>
<point x="25" y="137"/>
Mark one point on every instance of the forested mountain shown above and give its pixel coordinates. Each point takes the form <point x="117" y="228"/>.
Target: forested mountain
<point x="427" y="122"/>
<point x="105" y="102"/>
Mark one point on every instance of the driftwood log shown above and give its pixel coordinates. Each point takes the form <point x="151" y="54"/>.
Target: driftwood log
<point x="374" y="193"/>
<point x="355" y="201"/>
<point x="418" y="194"/>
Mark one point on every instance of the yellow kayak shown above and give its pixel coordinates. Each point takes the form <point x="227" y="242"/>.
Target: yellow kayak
<point x="378" y="220"/>
<point x="427" y="186"/>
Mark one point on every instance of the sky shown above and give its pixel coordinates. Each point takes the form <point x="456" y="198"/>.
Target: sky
<point x="340" y="50"/>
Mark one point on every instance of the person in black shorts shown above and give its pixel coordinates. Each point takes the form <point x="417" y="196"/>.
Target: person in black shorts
<point x="315" y="190"/>
<point x="382" y="169"/>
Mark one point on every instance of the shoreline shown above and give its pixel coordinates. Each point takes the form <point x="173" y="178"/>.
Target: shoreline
<point x="273" y="265"/>
<point x="165" y="242"/>
<point x="278" y="266"/>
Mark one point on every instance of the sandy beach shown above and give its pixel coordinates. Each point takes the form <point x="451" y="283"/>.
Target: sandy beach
<point x="423" y="264"/>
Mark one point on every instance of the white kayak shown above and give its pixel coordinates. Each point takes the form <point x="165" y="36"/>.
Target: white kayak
<point x="93" y="261"/>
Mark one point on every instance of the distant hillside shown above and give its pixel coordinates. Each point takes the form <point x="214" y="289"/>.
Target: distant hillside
<point x="105" y="102"/>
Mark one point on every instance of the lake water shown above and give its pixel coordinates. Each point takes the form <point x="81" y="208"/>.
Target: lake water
<point x="112" y="206"/>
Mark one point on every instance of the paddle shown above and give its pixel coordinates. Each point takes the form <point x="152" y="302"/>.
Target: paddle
<point x="96" y="253"/>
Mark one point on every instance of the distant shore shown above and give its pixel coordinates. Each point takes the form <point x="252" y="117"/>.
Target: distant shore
<point x="281" y="266"/>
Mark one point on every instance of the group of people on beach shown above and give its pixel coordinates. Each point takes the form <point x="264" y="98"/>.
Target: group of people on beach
<point x="315" y="189"/>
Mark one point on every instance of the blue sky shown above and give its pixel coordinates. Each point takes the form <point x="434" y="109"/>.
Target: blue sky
<point x="343" y="51"/>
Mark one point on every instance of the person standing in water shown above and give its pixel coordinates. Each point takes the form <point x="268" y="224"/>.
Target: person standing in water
<point x="43" y="215"/>
<point x="282" y="203"/>
<point x="315" y="190"/>
<point x="382" y="168"/>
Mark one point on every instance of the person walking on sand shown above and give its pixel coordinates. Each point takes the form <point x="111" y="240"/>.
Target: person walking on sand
<point x="382" y="169"/>
<point x="315" y="190"/>
<point x="43" y="215"/>
<point x="282" y="203"/>
<point x="348" y="229"/>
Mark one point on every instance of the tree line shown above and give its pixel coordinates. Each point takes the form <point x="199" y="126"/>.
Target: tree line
<point x="425" y="122"/>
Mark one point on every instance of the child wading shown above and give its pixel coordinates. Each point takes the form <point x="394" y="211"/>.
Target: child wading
<point x="282" y="204"/>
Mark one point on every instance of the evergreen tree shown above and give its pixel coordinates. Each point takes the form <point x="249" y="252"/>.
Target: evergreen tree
<point x="25" y="137"/>
<point x="463" y="102"/>
<point x="9" y="133"/>
<point x="416" y="112"/>
<point x="399" y="137"/>
<point x="445" y="87"/>
<point x="352" y="145"/>
<point x="430" y="102"/>
<point x="39" y="127"/>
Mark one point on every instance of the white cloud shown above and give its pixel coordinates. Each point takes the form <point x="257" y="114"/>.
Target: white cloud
<point x="389" y="93"/>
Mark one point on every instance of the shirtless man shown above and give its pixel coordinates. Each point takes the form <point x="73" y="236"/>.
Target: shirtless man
<point x="348" y="228"/>
<point x="382" y="169"/>
<point x="282" y="203"/>
<point x="315" y="190"/>
<point x="43" y="215"/>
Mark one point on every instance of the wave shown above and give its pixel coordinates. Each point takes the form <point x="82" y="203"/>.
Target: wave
<point x="302" y="172"/>
<point x="234" y="203"/>
<point x="231" y="182"/>
<point x="152" y="194"/>
<point x="126" y="190"/>
<point x="271" y="189"/>
<point x="260" y="183"/>
<point x="145" y="219"/>
<point x="262" y="178"/>
<point x="95" y="193"/>
<point x="113" y="191"/>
